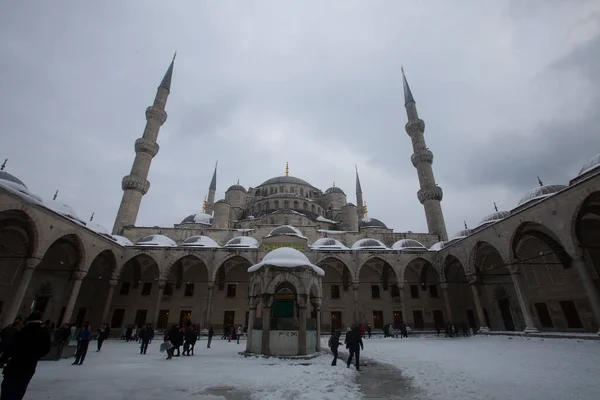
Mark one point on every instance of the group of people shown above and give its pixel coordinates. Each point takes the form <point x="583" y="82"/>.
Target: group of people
<point x="452" y="330"/>
<point x="179" y="336"/>
<point x="352" y="341"/>
<point x="235" y="333"/>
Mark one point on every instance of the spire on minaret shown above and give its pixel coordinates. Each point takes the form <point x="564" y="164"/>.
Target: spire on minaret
<point x="209" y="204"/>
<point x="204" y="205"/>
<point x="429" y="194"/>
<point x="136" y="185"/>
<point x="366" y="209"/>
<point x="495" y="207"/>
<point x="213" y="181"/>
<point x="238" y="182"/>
<point x="287" y="169"/>
<point x="3" y="164"/>
<point x="540" y="181"/>
<point x="466" y="227"/>
<point x="333" y="183"/>
<point x="360" y="208"/>
<point x="92" y="217"/>
<point x="55" y="195"/>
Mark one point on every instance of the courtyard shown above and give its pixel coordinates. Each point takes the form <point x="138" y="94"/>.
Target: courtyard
<point x="415" y="368"/>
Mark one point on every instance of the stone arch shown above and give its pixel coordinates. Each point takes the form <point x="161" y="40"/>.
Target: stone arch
<point x="285" y="277"/>
<point x="142" y="266"/>
<point x="19" y="236"/>
<point x="215" y="271"/>
<point x="544" y="235"/>
<point x="412" y="273"/>
<point x="586" y="233"/>
<point x="26" y="223"/>
<point x="340" y="267"/>
<point x="95" y="287"/>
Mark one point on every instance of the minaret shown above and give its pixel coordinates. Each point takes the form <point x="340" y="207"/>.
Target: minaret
<point x="136" y="184"/>
<point x="360" y="207"/>
<point x="212" y="189"/>
<point x="430" y="194"/>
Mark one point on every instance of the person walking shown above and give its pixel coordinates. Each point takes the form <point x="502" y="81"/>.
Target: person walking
<point x="239" y="333"/>
<point x="355" y="345"/>
<point x="145" y="335"/>
<point x="83" y="342"/>
<point x="211" y="333"/>
<point x="103" y="333"/>
<point x="29" y="345"/>
<point x="334" y="343"/>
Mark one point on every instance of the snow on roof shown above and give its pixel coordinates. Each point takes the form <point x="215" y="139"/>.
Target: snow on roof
<point x="330" y="232"/>
<point x="97" y="228"/>
<point x="20" y="191"/>
<point x="200" y="241"/>
<point x="408" y="244"/>
<point x="122" y="240"/>
<point x="156" y="240"/>
<point x="286" y="230"/>
<point x="63" y="210"/>
<point x="243" y="242"/>
<point x="286" y="257"/>
<point x="323" y="219"/>
<point x="437" y="246"/>
<point x="328" y="244"/>
<point x="368" y="244"/>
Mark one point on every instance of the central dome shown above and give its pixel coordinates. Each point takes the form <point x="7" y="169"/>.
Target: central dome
<point x="285" y="179"/>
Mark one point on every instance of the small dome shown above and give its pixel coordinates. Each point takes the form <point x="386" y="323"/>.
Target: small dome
<point x="122" y="240"/>
<point x="5" y="176"/>
<point x="371" y="223"/>
<point x="97" y="228"/>
<point x="16" y="187"/>
<point x="156" y="240"/>
<point x="462" y="234"/>
<point x="286" y="257"/>
<point x="286" y="230"/>
<point x="200" y="218"/>
<point x="349" y="205"/>
<point x="328" y="244"/>
<point x="540" y="193"/>
<point x="437" y="246"/>
<point x="408" y="244"/>
<point x="237" y="187"/>
<point x="243" y="242"/>
<point x="497" y="216"/>
<point x="368" y="244"/>
<point x="335" y="189"/>
<point x="220" y="201"/>
<point x="64" y="210"/>
<point x="593" y="163"/>
<point x="200" y="241"/>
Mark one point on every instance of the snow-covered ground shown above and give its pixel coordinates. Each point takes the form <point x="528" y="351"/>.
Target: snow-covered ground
<point x="495" y="367"/>
<point x="464" y="368"/>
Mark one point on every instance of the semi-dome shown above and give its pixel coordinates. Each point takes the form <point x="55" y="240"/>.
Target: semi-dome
<point x="286" y="230"/>
<point x="285" y="179"/>
<point x="437" y="246"/>
<point x="122" y="240"/>
<point x="200" y="241"/>
<point x="156" y="240"/>
<point x="64" y="210"/>
<point x="288" y="258"/>
<point x="328" y="244"/>
<point x="368" y="244"/>
<point x="246" y="242"/>
<point x="335" y="189"/>
<point x="371" y="223"/>
<point x="540" y="193"/>
<point x="237" y="187"/>
<point x="200" y="218"/>
<point x="408" y="244"/>
<point x="593" y="163"/>
<point x="497" y="216"/>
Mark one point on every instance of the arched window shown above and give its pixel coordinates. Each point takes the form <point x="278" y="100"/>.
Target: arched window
<point x="305" y="206"/>
<point x="292" y="189"/>
<point x="280" y="189"/>
<point x="285" y="220"/>
<point x="267" y="206"/>
<point x="296" y="204"/>
<point x="272" y="190"/>
<point x="258" y="207"/>
<point x="313" y="208"/>
<point x="276" y="204"/>
<point x="302" y="192"/>
<point x="286" y="204"/>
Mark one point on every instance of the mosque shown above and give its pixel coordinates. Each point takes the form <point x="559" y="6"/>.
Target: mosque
<point x="532" y="268"/>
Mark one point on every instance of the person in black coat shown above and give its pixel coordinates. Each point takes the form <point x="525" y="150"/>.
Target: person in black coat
<point x="29" y="345"/>
<point x="145" y="336"/>
<point x="8" y="334"/>
<point x="211" y="333"/>
<point x="355" y="345"/>
<point x="334" y="343"/>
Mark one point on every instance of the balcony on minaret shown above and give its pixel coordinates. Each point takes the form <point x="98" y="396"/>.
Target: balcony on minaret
<point x="430" y="193"/>
<point x="415" y="126"/>
<point x="156" y="114"/>
<point x="143" y="145"/>
<point x="135" y="183"/>
<point x="422" y="156"/>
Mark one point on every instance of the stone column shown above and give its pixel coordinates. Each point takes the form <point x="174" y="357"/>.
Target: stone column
<point x="524" y="303"/>
<point x="482" y="327"/>
<point x="78" y="276"/>
<point x="403" y="304"/>
<point x="356" y="306"/>
<point x="15" y="305"/>
<point x="266" y="332"/>
<point x="209" y="304"/>
<point x="318" y="308"/>
<point x="444" y="286"/>
<point x="251" y="317"/>
<point x="161" y="289"/>
<point x="590" y="288"/>
<point x="109" y="297"/>
<point x="302" y="329"/>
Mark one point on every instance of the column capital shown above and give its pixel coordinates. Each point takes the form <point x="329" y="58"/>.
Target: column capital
<point x="31" y="263"/>
<point x="113" y="282"/>
<point x="162" y="284"/>
<point x="472" y="279"/>
<point x="444" y="285"/>
<point x="79" y="275"/>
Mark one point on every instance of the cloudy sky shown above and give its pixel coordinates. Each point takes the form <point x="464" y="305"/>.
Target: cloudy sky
<point x="509" y="90"/>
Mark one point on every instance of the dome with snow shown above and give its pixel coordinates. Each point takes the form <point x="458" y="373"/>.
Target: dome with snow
<point x="371" y="223"/>
<point x="461" y="234"/>
<point x="14" y="185"/>
<point x="408" y="244"/>
<point x="122" y="240"/>
<point x="592" y="164"/>
<point x="156" y="240"/>
<point x="200" y="241"/>
<point x="335" y="189"/>
<point x="97" y="228"/>
<point x="286" y="257"/>
<point x="437" y="246"/>
<point x="236" y="187"/>
<point x="368" y="244"/>
<point x="497" y="216"/>
<point x="220" y="201"/>
<point x="540" y="192"/>
<point x="201" y="218"/>
<point x="63" y="210"/>
<point x="328" y="244"/>
<point x="286" y="230"/>
<point x="242" y="242"/>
